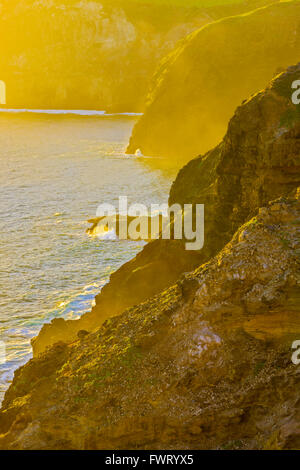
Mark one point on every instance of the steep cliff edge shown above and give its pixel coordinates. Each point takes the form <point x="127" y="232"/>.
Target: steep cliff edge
<point x="206" y="364"/>
<point x="93" y="54"/>
<point x="258" y="160"/>
<point x="197" y="88"/>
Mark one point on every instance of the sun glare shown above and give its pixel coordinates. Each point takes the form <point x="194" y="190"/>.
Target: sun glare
<point x="2" y="92"/>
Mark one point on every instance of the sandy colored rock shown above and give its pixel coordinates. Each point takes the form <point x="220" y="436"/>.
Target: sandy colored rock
<point x="257" y="161"/>
<point x="199" y="85"/>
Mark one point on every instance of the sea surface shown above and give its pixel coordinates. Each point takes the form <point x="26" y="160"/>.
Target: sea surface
<point x="55" y="171"/>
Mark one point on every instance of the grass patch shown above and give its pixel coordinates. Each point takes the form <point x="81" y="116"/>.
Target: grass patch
<point x="258" y="367"/>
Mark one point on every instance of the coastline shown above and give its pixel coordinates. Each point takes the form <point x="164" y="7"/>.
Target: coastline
<point x="66" y="112"/>
<point x="186" y="359"/>
<point x="150" y="228"/>
<point x="50" y="260"/>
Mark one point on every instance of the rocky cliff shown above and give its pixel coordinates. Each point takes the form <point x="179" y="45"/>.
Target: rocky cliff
<point x="205" y="364"/>
<point x="257" y="161"/>
<point x="93" y="54"/>
<point x="198" y="86"/>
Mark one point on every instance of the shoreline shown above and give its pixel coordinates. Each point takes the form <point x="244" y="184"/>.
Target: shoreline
<point x="66" y="112"/>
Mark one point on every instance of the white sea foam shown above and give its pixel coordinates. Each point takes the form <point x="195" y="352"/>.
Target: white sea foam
<point x="60" y="173"/>
<point x="105" y="234"/>
<point x="17" y="350"/>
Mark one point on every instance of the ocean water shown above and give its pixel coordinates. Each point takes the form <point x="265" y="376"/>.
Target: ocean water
<point x="55" y="171"/>
<point x="77" y="112"/>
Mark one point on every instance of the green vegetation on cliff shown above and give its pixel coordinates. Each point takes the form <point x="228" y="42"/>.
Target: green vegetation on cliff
<point x="198" y="86"/>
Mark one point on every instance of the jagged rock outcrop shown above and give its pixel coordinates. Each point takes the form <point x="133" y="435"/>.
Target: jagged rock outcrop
<point x="257" y="161"/>
<point x="87" y="54"/>
<point x="204" y="365"/>
<point x="197" y="88"/>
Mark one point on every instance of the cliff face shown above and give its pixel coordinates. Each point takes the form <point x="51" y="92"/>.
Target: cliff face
<point x="191" y="368"/>
<point x="91" y="54"/>
<point x="197" y="88"/>
<point x="257" y="161"/>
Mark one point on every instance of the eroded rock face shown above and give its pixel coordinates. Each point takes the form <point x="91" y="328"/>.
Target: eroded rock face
<point x="257" y="161"/>
<point x="206" y="364"/>
<point x="198" y="87"/>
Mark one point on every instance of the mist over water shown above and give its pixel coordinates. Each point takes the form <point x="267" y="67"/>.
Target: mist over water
<point x="64" y="112"/>
<point x="55" y="171"/>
